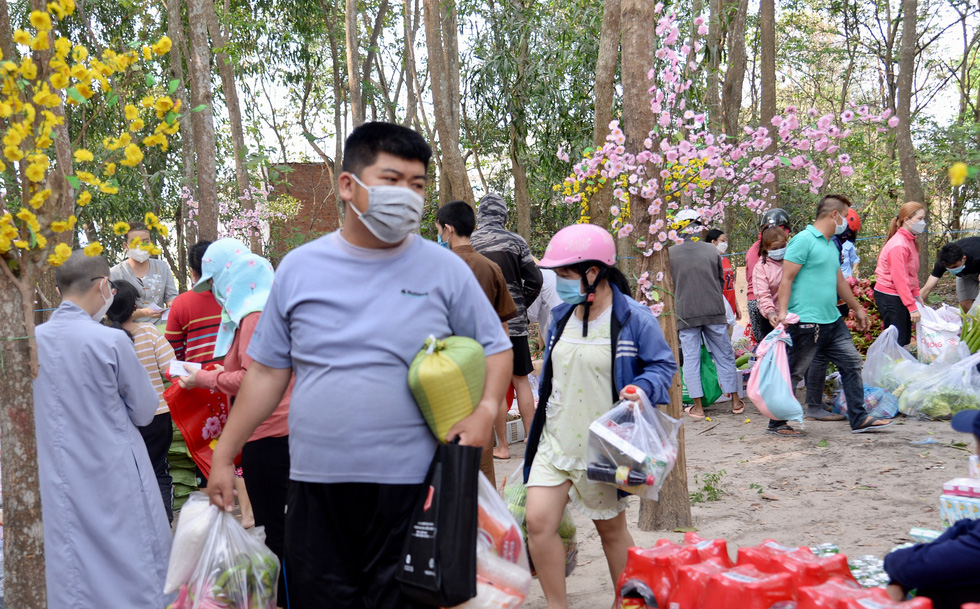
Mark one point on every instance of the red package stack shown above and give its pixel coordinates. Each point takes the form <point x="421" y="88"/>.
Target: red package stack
<point x="746" y="587"/>
<point x="709" y="548"/>
<point x="834" y="593"/>
<point x="692" y="581"/>
<point x="867" y="603"/>
<point x="651" y="573"/>
<point x="803" y="565"/>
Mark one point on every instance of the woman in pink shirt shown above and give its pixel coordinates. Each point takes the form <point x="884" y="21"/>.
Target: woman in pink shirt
<point x="768" y="273"/>
<point x="897" y="287"/>
<point x="240" y="282"/>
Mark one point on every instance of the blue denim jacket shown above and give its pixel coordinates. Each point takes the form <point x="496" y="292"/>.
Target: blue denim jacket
<point x="641" y="357"/>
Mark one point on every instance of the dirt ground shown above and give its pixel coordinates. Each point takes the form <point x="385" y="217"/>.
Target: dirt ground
<point x="862" y="492"/>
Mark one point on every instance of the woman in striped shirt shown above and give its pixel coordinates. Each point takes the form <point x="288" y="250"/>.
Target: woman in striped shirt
<point x="155" y="354"/>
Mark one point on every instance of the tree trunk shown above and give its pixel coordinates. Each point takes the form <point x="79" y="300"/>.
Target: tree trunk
<point x="714" y="65"/>
<point x="354" y="63"/>
<point x="638" y="18"/>
<point x="518" y="126"/>
<point x="903" y="132"/>
<point x="735" y="74"/>
<point x="410" y="22"/>
<point x="24" y="580"/>
<point x="440" y="40"/>
<point x="175" y="30"/>
<point x="204" y="138"/>
<point x="522" y="197"/>
<point x="330" y="16"/>
<point x="767" y="94"/>
<point x="605" y="88"/>
<point x="227" y="73"/>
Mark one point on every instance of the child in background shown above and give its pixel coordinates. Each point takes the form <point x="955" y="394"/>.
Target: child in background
<point x="155" y="354"/>
<point x="768" y="273"/>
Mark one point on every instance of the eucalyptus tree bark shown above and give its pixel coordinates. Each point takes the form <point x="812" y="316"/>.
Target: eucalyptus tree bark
<point x="187" y="232"/>
<point x="674" y="507"/>
<point x="203" y="119"/>
<point x="227" y="73"/>
<point x="24" y="578"/>
<point x="605" y="88"/>
<point x="903" y="132"/>
<point x="411" y="23"/>
<point x="331" y="21"/>
<point x="767" y="93"/>
<point x="443" y="58"/>
<point x="714" y="65"/>
<point x="517" y="140"/>
<point x="354" y="63"/>
<point x="731" y="92"/>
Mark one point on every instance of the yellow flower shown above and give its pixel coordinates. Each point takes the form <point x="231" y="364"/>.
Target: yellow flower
<point x="137" y="125"/>
<point x="150" y="219"/>
<point x="82" y="155"/>
<point x="79" y="53"/>
<point x="162" y="47"/>
<point x="154" y="250"/>
<point x="110" y="169"/>
<point x="61" y="253"/>
<point x="132" y="112"/>
<point x="133" y="156"/>
<point x="40" y="20"/>
<point x="42" y="241"/>
<point x="22" y="37"/>
<point x="79" y="71"/>
<point x="958" y="174"/>
<point x="41" y="42"/>
<point x="59" y="80"/>
<point x="85" y="90"/>
<point x="40" y="197"/>
<point x="35" y="172"/>
<point x="13" y="138"/>
<point x="21" y="244"/>
<point x="59" y="226"/>
<point x="93" y="249"/>
<point x="85" y="176"/>
<point x="108" y="188"/>
<point x="28" y="69"/>
<point x="83" y="198"/>
<point x="163" y="105"/>
<point x="71" y="221"/>
<point x="62" y="46"/>
<point x="13" y="153"/>
<point x="147" y="53"/>
<point x="147" y="102"/>
<point x="30" y="219"/>
<point x="120" y="228"/>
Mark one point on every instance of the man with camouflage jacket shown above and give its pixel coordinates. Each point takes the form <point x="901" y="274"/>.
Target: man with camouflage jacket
<point x="512" y="254"/>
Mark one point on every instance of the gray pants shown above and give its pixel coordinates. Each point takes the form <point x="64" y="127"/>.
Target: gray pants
<point x="720" y="346"/>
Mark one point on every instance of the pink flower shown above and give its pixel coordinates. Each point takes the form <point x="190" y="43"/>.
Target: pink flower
<point x="660" y="276"/>
<point x="893" y="122"/>
<point x="658" y="246"/>
<point x="846" y="116"/>
<point x="846" y="171"/>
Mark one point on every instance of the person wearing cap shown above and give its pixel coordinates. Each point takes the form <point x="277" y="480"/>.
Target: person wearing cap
<point x="699" y="304"/>
<point x="241" y="281"/>
<point x="945" y="570"/>
<point x="962" y="259"/>
<point x="773" y="217"/>
<point x="603" y="346"/>
<point x="849" y="258"/>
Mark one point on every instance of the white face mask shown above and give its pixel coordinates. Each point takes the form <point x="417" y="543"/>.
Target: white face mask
<point x="917" y="228"/>
<point x="777" y="254"/>
<point x="722" y="247"/>
<point x="392" y="212"/>
<point x="107" y="302"/>
<point x="139" y="255"/>
<point x="839" y="228"/>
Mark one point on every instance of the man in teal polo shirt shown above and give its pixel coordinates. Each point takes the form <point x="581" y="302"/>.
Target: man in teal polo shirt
<point x="811" y="284"/>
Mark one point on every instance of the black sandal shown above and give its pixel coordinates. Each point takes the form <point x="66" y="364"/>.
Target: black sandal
<point x="868" y="424"/>
<point x="784" y="431"/>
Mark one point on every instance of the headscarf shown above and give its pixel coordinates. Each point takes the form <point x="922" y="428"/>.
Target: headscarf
<point x="217" y="259"/>
<point x="242" y="288"/>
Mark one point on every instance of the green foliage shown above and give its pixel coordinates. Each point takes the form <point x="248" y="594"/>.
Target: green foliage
<point x="710" y="489"/>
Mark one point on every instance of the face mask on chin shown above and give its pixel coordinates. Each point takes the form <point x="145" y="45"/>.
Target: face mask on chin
<point x="393" y="212"/>
<point x="107" y="302"/>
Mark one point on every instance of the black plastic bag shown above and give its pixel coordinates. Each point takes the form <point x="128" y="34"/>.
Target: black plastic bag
<point x="439" y="560"/>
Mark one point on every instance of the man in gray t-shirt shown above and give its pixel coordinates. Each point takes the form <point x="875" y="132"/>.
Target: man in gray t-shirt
<point x="347" y="314"/>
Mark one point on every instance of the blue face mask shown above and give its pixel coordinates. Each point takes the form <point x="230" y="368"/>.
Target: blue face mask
<point x="957" y="270"/>
<point x="439" y="240"/>
<point x="569" y="290"/>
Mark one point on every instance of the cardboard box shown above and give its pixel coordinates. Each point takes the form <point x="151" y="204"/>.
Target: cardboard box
<point x="962" y="487"/>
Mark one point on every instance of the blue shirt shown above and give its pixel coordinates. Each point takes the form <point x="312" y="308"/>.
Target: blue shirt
<point x="349" y="321"/>
<point x="814" y="296"/>
<point x="849" y="257"/>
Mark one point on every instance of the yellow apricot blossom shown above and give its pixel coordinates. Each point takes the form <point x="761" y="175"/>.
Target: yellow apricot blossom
<point x="61" y="253"/>
<point x="59" y="226"/>
<point x="40" y="197"/>
<point x="85" y="176"/>
<point x="13" y="153"/>
<point x="62" y="47"/>
<point x="110" y="169"/>
<point x="28" y="217"/>
<point x="162" y="47"/>
<point x="107" y="188"/>
<point x="59" y="80"/>
<point x="132" y="112"/>
<point x="82" y="155"/>
<point x="35" y="172"/>
<point x="147" y="53"/>
<point x="958" y="174"/>
<point x="22" y="37"/>
<point x="28" y="69"/>
<point x="40" y="20"/>
<point x="120" y="228"/>
<point x="41" y="42"/>
<point x="41" y="240"/>
<point x="133" y="156"/>
<point x="83" y="198"/>
<point x="93" y="249"/>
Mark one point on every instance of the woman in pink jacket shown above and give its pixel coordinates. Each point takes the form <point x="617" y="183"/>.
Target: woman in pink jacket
<point x="768" y="273"/>
<point x="897" y="287"/>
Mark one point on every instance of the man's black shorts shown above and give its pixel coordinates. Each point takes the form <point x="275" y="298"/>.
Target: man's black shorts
<point x="344" y="544"/>
<point x="522" y="356"/>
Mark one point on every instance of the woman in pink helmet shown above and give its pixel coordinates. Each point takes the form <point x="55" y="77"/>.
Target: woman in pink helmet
<point x="600" y="342"/>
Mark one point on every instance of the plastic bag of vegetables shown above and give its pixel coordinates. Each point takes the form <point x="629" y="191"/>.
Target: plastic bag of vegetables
<point x="234" y="568"/>
<point x="515" y="496"/>
<point x="948" y="388"/>
<point x="877" y="402"/>
<point x="883" y="356"/>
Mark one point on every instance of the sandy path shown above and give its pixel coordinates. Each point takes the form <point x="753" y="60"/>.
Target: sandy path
<point x="863" y="492"/>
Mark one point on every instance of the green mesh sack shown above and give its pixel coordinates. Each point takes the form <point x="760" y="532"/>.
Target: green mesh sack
<point x="446" y="378"/>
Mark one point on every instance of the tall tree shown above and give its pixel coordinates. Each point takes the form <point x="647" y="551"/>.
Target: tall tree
<point x="443" y="58"/>
<point x="674" y="507"/>
<point x="731" y="91"/>
<point x="903" y="132"/>
<point x="605" y="89"/>
<point x="767" y="94"/>
<point x="354" y="62"/>
<point x="203" y="118"/>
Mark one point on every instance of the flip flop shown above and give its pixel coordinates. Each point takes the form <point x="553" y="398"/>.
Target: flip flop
<point x="868" y="424"/>
<point x="739" y="410"/>
<point x="829" y="416"/>
<point x="687" y="410"/>
<point x="784" y="431"/>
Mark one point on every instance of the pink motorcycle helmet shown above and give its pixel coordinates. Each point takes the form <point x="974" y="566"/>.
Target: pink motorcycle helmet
<point x="579" y="243"/>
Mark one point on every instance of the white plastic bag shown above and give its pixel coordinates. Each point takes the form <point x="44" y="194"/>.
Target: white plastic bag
<point x="503" y="577"/>
<point x="948" y="388"/>
<point x="195" y="520"/>
<point x="236" y="570"/>
<point x="633" y="447"/>
<point x="883" y="356"/>
<point x="938" y="330"/>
